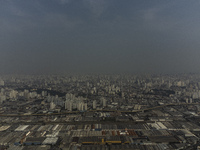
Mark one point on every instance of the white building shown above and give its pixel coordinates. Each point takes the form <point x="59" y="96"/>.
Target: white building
<point x="94" y="105"/>
<point x="68" y="105"/>
<point x="52" y="105"/>
<point x="1" y="83"/>
<point x="103" y="102"/>
<point x="85" y="107"/>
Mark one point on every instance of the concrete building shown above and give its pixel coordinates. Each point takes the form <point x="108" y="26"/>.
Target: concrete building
<point x="52" y="106"/>
<point x="94" y="104"/>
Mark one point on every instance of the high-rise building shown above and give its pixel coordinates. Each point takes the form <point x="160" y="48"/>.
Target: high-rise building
<point x="85" y="106"/>
<point x="103" y="102"/>
<point x="68" y="105"/>
<point x="94" y="106"/>
<point x="52" y="105"/>
<point x="2" y="98"/>
<point x="1" y="83"/>
<point x="44" y="93"/>
<point x="190" y="100"/>
<point x="13" y="94"/>
<point x="80" y="106"/>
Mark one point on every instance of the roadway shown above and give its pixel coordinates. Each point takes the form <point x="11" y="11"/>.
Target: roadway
<point x="78" y="112"/>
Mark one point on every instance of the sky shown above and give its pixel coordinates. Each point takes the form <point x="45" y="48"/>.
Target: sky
<point x="99" y="36"/>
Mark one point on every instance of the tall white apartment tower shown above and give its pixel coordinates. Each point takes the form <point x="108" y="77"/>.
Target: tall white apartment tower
<point x="52" y="105"/>
<point x="104" y="102"/>
<point x="80" y="106"/>
<point x="68" y="105"/>
<point x="94" y="106"/>
<point x="85" y="106"/>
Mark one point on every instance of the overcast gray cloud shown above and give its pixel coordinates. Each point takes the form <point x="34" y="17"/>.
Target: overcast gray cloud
<point x="103" y="36"/>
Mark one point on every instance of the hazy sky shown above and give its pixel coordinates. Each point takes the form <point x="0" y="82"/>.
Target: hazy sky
<point x="99" y="36"/>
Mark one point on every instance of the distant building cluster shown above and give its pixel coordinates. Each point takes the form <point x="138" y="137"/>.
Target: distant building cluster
<point x="100" y="112"/>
